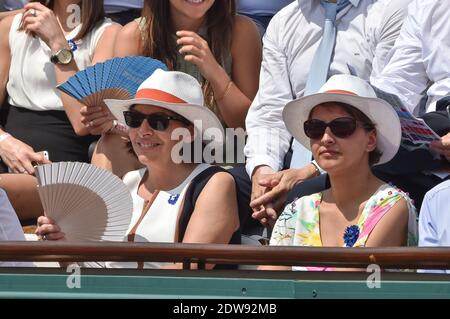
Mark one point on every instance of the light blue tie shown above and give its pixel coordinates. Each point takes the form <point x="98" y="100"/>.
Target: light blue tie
<point x="318" y="73"/>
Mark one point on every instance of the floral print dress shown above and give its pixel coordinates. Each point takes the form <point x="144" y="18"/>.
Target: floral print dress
<point x="299" y="224"/>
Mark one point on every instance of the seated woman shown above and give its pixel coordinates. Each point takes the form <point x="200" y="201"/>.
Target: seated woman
<point x="174" y="201"/>
<point x="348" y="130"/>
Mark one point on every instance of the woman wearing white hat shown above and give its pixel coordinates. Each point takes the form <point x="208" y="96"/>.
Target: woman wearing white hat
<point x="173" y="202"/>
<point x="348" y="130"/>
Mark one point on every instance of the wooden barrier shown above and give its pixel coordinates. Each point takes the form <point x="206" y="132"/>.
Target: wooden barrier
<point x="395" y="257"/>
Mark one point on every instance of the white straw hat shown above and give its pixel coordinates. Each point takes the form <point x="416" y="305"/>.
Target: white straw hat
<point x="358" y="93"/>
<point x="175" y="91"/>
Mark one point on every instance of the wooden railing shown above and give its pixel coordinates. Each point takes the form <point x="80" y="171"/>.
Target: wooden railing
<point x="395" y="257"/>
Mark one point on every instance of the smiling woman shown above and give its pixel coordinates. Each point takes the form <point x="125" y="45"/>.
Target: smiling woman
<point x="172" y="202"/>
<point x="348" y="130"/>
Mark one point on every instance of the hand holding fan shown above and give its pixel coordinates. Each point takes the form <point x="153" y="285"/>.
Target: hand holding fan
<point x="118" y="78"/>
<point x="87" y="202"/>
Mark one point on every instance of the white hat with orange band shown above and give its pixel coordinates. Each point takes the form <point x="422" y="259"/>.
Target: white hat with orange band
<point x="175" y="91"/>
<point x="354" y="91"/>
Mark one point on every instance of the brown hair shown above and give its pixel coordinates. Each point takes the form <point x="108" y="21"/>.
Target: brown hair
<point x="158" y="32"/>
<point x="367" y="125"/>
<point x="92" y="13"/>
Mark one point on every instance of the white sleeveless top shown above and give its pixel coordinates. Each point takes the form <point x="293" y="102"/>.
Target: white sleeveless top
<point x="32" y="78"/>
<point x="159" y="224"/>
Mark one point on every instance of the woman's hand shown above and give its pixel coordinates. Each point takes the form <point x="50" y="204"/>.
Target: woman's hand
<point x="97" y="119"/>
<point x="41" y="21"/>
<point x="196" y="51"/>
<point x="19" y="157"/>
<point x="48" y="230"/>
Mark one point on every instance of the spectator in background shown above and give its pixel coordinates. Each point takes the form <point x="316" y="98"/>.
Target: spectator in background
<point x="366" y="31"/>
<point x="36" y="116"/>
<point x="206" y="40"/>
<point x="434" y="218"/>
<point x="123" y="12"/>
<point x="418" y="65"/>
<point x="261" y="12"/>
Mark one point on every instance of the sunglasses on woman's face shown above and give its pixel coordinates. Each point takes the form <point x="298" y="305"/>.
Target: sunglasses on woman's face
<point x="157" y="121"/>
<point x="341" y="127"/>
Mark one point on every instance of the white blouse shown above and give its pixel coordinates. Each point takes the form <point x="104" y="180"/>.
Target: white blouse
<point x="32" y="77"/>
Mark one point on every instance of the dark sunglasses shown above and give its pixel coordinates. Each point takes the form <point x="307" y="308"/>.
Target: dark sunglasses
<point x="157" y="121"/>
<point x="341" y="127"/>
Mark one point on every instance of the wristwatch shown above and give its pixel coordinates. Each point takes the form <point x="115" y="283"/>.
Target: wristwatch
<point x="63" y="56"/>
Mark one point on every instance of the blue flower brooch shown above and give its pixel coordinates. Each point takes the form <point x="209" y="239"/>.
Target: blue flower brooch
<point x="351" y="235"/>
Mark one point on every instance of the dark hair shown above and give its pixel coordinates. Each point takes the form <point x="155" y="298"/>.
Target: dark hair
<point x="367" y="125"/>
<point x="92" y="13"/>
<point x="158" y="32"/>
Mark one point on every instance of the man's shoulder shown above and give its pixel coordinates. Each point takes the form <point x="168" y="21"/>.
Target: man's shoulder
<point x="442" y="188"/>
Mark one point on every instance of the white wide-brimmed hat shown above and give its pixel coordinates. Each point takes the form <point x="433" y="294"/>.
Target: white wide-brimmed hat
<point x="175" y="91"/>
<point x="358" y="93"/>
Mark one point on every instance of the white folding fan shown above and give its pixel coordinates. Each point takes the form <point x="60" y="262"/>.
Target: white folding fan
<point x="118" y="78"/>
<point x="87" y="202"/>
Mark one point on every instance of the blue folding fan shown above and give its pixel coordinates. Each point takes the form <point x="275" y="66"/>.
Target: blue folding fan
<point x="118" y="78"/>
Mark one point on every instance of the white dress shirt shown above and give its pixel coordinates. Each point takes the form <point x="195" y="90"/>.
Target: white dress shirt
<point x="434" y="218"/>
<point x="261" y="8"/>
<point x="366" y="31"/>
<point x="10" y="229"/>
<point x="419" y="62"/>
